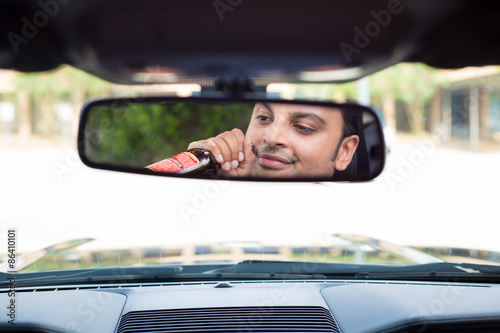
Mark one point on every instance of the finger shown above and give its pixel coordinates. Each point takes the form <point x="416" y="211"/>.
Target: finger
<point x="225" y="152"/>
<point x="209" y="145"/>
<point x="194" y="144"/>
<point x="240" y="138"/>
<point x="247" y="150"/>
<point x="231" y="141"/>
<point x="245" y="166"/>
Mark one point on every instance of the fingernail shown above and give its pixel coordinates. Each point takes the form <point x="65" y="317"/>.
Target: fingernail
<point x="220" y="159"/>
<point x="226" y="166"/>
<point x="234" y="164"/>
<point x="241" y="157"/>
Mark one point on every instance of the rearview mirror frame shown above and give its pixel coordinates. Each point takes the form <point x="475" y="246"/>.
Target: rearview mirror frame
<point x="374" y="151"/>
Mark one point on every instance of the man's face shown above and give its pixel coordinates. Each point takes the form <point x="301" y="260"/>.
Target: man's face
<point x="296" y="140"/>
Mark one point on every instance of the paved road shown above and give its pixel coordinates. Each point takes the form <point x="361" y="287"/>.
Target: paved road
<point x="426" y="196"/>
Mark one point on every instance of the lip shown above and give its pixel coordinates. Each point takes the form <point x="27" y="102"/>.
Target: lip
<point x="273" y="161"/>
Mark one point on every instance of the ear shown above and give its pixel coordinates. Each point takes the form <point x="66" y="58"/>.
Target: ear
<point x="346" y="152"/>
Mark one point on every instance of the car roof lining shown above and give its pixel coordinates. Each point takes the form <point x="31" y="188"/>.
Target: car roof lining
<point x="191" y="42"/>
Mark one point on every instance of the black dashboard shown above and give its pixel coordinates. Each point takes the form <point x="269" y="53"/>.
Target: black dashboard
<point x="259" y="306"/>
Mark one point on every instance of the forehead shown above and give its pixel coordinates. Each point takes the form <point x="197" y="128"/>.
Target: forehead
<point x="328" y="114"/>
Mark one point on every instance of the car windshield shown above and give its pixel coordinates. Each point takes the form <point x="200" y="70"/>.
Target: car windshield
<point x="434" y="202"/>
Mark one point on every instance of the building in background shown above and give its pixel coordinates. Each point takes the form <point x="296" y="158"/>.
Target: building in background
<point x="467" y="108"/>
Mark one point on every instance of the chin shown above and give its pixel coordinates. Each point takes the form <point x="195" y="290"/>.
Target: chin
<point x="261" y="172"/>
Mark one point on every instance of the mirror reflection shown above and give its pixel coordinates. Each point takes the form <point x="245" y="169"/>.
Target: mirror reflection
<point x="212" y="138"/>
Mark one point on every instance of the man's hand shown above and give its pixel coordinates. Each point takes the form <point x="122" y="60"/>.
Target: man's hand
<point x="231" y="150"/>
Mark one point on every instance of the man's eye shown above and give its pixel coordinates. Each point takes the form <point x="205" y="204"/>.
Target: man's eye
<point x="304" y="130"/>
<point x="262" y="118"/>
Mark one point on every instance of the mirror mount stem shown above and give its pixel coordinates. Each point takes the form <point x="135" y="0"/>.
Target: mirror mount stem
<point x="234" y="87"/>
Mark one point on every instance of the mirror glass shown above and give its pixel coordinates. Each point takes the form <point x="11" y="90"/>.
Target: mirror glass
<point x="233" y="139"/>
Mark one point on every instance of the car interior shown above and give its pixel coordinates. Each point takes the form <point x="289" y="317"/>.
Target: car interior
<point x="233" y="49"/>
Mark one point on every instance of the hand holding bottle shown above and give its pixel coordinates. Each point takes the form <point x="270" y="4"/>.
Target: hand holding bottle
<point x="231" y="150"/>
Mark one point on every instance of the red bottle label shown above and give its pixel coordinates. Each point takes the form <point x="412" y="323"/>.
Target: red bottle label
<point x="175" y="163"/>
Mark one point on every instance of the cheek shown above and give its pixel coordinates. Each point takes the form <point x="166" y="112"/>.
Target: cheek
<point x="313" y="147"/>
<point x="318" y="163"/>
<point x="306" y="151"/>
<point x="316" y="154"/>
<point x="254" y="134"/>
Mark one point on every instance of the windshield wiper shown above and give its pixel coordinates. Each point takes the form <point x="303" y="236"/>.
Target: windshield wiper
<point x="432" y="271"/>
<point x="92" y="276"/>
<point x="258" y="270"/>
<point x="124" y="275"/>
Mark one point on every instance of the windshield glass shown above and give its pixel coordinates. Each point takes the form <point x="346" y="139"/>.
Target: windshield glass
<point x="435" y="200"/>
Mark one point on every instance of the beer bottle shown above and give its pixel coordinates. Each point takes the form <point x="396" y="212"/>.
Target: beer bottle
<point x="195" y="161"/>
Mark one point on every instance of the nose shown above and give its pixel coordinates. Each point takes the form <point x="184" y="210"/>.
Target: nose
<point x="275" y="135"/>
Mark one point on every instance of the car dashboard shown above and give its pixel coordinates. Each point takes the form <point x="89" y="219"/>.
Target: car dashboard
<point x="260" y="306"/>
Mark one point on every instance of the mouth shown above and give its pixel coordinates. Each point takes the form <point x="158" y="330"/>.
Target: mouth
<point x="272" y="161"/>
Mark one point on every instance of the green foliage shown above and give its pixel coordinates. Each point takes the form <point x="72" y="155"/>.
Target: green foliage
<point x="406" y="82"/>
<point x="326" y="91"/>
<point x="62" y="82"/>
<point x="349" y="90"/>
<point x="138" y="134"/>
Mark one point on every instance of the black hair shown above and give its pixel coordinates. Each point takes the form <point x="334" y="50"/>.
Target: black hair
<point x="352" y="122"/>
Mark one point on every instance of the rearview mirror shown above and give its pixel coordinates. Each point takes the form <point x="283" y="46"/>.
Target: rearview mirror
<point x="232" y="138"/>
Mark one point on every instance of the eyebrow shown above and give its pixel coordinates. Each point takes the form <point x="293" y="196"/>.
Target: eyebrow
<point x="267" y="106"/>
<point x="308" y="115"/>
<point x="298" y="114"/>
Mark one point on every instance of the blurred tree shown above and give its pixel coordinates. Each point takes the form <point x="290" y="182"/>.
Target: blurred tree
<point x="414" y="84"/>
<point x="45" y="89"/>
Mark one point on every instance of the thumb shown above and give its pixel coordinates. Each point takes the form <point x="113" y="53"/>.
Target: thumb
<point x="248" y="152"/>
<point x="245" y="166"/>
